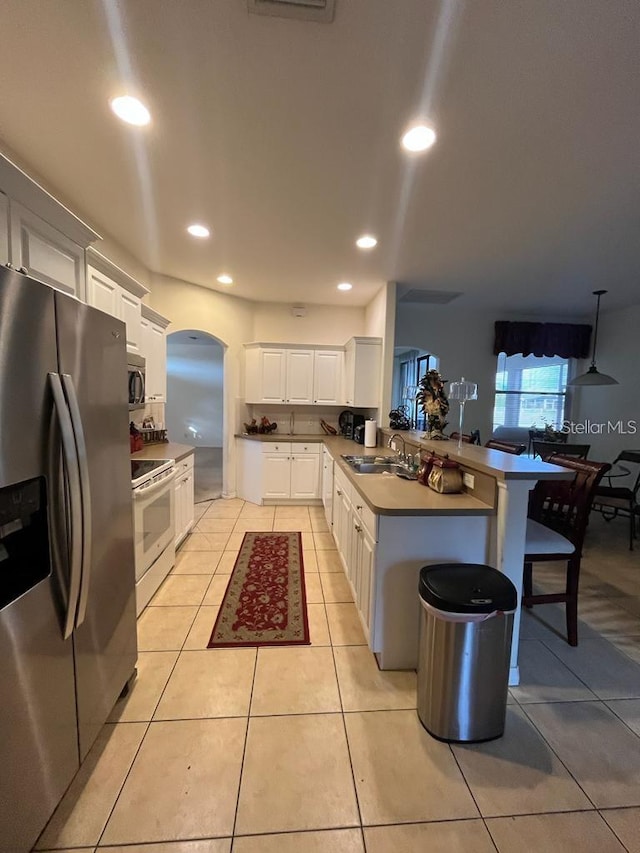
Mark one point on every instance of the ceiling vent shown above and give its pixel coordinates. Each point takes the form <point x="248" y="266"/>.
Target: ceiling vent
<point x="429" y="297"/>
<point x="303" y="10"/>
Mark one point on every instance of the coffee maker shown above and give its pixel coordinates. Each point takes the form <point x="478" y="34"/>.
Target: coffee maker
<point x="348" y="422"/>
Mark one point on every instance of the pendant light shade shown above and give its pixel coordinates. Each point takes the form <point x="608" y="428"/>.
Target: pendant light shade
<point x="593" y="376"/>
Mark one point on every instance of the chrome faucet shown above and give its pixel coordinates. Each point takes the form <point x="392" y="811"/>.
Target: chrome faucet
<point x="402" y="457"/>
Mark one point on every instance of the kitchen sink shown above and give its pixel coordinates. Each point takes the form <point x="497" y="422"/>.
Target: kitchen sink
<point x="377" y="465"/>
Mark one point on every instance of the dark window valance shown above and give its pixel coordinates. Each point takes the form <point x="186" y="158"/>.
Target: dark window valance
<point x="567" y="340"/>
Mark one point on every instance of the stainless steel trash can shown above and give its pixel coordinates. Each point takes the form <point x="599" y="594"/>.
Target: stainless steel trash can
<point x="466" y="622"/>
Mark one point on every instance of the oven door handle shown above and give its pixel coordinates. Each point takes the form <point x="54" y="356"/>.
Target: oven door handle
<point x="70" y="454"/>
<point x="145" y="491"/>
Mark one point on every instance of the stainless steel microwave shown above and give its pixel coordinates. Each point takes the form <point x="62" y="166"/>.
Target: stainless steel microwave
<point x="136" y="369"/>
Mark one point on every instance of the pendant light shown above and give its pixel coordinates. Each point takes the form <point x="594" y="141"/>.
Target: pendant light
<point x="592" y="376"/>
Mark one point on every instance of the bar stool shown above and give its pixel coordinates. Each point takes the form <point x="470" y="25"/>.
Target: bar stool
<point x="557" y="522"/>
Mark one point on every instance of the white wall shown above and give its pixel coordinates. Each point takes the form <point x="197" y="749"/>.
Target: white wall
<point x="381" y="323"/>
<point x="322" y="324"/>
<point x="195" y="392"/>
<point x="618" y="355"/>
<point x="462" y="338"/>
<point x="228" y="319"/>
<point x="463" y="341"/>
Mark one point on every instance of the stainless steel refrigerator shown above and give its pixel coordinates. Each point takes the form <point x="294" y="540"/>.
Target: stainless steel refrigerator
<point x="67" y="600"/>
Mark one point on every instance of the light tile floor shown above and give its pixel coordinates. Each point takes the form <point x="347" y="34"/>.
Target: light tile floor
<point x="314" y="750"/>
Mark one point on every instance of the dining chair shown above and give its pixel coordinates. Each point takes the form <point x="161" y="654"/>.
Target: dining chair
<point x="546" y="449"/>
<point x="556" y="525"/>
<point x="542" y="435"/>
<point x="506" y="446"/>
<point x="621" y="499"/>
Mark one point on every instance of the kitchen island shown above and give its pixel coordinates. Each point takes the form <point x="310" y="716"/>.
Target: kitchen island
<point x="387" y="528"/>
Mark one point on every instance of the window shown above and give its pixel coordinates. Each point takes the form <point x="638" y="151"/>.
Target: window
<point x="531" y="391"/>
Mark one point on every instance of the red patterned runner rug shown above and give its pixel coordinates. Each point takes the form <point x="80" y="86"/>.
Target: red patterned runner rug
<point x="265" y="603"/>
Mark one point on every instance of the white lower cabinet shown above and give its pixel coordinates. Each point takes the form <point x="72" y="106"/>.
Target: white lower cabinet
<point x="327" y="485"/>
<point x="184" y="498"/>
<point x="276" y="475"/>
<point x="291" y="474"/>
<point x="355" y="530"/>
<point x="279" y="471"/>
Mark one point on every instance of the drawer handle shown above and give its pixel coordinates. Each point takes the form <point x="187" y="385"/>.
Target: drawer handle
<point x="358" y="506"/>
<point x="338" y="492"/>
<point x="358" y="528"/>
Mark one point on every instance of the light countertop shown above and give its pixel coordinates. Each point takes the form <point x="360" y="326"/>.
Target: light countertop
<point x="164" y="450"/>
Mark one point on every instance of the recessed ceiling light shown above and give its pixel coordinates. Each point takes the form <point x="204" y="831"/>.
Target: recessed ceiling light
<point x="225" y="279"/>
<point x="367" y="241"/>
<point x="131" y="110"/>
<point x="198" y="231"/>
<point x="345" y="286"/>
<point x="419" y="138"/>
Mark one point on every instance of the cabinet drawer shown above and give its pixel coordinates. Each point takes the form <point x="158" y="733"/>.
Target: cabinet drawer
<point x="368" y="518"/>
<point x="184" y="465"/>
<point x="276" y="447"/>
<point x="305" y="448"/>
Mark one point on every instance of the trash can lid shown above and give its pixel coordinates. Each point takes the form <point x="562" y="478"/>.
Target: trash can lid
<point x="466" y="588"/>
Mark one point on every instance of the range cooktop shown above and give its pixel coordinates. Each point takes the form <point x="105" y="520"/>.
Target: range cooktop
<point x="141" y="468"/>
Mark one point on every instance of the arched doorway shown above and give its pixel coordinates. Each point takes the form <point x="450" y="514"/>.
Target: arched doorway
<point x="194" y="409"/>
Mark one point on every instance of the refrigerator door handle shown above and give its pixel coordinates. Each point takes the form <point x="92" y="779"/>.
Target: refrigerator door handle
<point x="85" y="488"/>
<point x="75" y="500"/>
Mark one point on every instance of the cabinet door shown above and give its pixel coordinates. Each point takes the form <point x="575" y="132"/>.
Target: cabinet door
<point x="349" y="374"/>
<point x="276" y="473"/>
<point x="155" y="352"/>
<point x="179" y="515"/>
<point x="130" y="312"/>
<point x="271" y="384"/>
<point x="189" y="507"/>
<point x="4" y="229"/>
<point x="327" y="377"/>
<point x="102" y="292"/>
<point x="365" y="578"/>
<point x="305" y="475"/>
<point x="299" y="376"/>
<point x="45" y="252"/>
<point x="327" y="485"/>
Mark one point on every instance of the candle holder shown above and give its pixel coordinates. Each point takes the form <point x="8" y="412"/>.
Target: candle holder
<point x="462" y="391"/>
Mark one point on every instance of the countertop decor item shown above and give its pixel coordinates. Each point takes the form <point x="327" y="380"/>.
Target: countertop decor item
<point x="593" y="376"/>
<point x="432" y="399"/>
<point x="265" y="601"/>
<point x="463" y="391"/>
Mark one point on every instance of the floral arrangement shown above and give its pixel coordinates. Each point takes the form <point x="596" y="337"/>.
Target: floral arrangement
<point x="433" y="402"/>
<point x="549" y="430"/>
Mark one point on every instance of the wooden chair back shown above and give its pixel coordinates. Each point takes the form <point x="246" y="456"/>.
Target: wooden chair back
<point x="546" y="449"/>
<point x="506" y="446"/>
<point x="467" y="438"/>
<point x="564" y="505"/>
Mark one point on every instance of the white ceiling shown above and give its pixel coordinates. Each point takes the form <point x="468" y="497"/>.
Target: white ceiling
<point x="283" y="136"/>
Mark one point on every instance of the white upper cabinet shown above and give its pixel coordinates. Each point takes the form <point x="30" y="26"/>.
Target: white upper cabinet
<point x="131" y="313"/>
<point x="40" y="234"/>
<point x="115" y="292"/>
<point x="299" y="382"/>
<point x="102" y="292"/>
<point x="363" y="362"/>
<point x="327" y="377"/>
<point x="45" y="252"/>
<point x="284" y="373"/>
<point x="265" y="375"/>
<point x="154" y="349"/>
